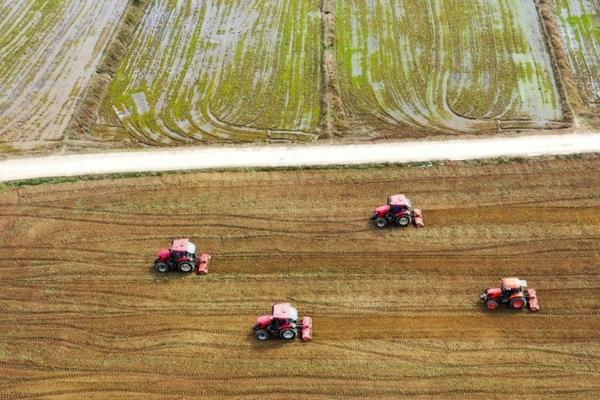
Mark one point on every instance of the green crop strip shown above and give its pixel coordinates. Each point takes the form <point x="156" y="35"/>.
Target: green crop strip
<point x="445" y="65"/>
<point x="580" y="26"/>
<point x="222" y="70"/>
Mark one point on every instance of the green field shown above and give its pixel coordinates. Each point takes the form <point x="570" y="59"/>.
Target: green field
<point x="222" y="70"/>
<point x="580" y="25"/>
<point x="446" y="65"/>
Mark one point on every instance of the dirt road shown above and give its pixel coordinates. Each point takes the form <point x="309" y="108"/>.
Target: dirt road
<point x="286" y="156"/>
<point x="395" y="311"/>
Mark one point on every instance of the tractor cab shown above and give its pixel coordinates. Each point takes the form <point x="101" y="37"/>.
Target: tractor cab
<point x="513" y="285"/>
<point x="283" y="323"/>
<point x="183" y="248"/>
<point x="399" y="203"/>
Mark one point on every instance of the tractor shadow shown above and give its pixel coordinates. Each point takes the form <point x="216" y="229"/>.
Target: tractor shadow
<point x="271" y="344"/>
<point x="168" y="276"/>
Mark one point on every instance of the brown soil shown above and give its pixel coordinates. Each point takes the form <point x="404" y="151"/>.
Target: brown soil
<point x="395" y="311"/>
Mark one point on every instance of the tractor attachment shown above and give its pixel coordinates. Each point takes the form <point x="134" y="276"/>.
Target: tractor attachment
<point x="203" y="264"/>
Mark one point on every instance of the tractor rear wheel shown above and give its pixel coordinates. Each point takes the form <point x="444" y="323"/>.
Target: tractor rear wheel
<point x="491" y="305"/>
<point x="161" y="267"/>
<point x="261" y="334"/>
<point x="517" y="303"/>
<point x="403" y="221"/>
<point x="288" y="334"/>
<point x="381" y="222"/>
<point x="186" y="267"/>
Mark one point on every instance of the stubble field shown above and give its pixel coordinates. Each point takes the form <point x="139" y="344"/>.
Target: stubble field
<point x="395" y="311"/>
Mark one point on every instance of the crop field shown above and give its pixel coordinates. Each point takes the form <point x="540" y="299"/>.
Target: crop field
<point x="188" y="71"/>
<point x="222" y="70"/>
<point x="48" y="52"/>
<point x="580" y="23"/>
<point x="446" y="65"/>
<point x="396" y="312"/>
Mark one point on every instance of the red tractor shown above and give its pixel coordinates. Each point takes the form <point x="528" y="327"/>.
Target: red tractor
<point x="399" y="211"/>
<point x="182" y="257"/>
<point x="513" y="293"/>
<point x="283" y="323"/>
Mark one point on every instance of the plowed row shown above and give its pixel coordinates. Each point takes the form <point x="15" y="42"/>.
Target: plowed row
<point x="48" y="52"/>
<point x="395" y="311"/>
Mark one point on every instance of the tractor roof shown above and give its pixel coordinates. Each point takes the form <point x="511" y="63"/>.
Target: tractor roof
<point x="183" y="245"/>
<point x="398" y="200"/>
<point x="513" y="283"/>
<point x="285" y="311"/>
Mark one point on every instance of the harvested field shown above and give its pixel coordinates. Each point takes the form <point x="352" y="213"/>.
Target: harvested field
<point x="395" y="311"/>
<point x="48" y="52"/>
<point x="445" y="65"/>
<point x="220" y="70"/>
<point x="580" y="26"/>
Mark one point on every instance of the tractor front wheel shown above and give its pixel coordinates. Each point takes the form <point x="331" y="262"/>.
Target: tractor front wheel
<point x="491" y="305"/>
<point x="518" y="303"/>
<point x="261" y="334"/>
<point x="381" y="222"/>
<point x="161" y="267"/>
<point x="403" y="221"/>
<point x="288" y="334"/>
<point x="186" y="267"/>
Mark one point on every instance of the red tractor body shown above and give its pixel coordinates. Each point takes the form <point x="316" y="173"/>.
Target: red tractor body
<point x="181" y="256"/>
<point x="283" y="323"/>
<point x="399" y="211"/>
<point x="513" y="293"/>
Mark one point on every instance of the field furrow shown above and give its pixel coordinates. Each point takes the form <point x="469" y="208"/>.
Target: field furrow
<point x="220" y="70"/>
<point x="48" y="52"/>
<point x="445" y="66"/>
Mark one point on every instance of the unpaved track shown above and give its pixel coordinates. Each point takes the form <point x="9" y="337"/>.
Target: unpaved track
<point x="297" y="156"/>
<point x="395" y="311"/>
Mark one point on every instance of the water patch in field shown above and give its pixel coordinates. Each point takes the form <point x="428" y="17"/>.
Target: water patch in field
<point x="141" y="103"/>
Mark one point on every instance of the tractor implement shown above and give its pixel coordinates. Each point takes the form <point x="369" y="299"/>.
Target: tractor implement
<point x="533" y="301"/>
<point x="203" y="262"/>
